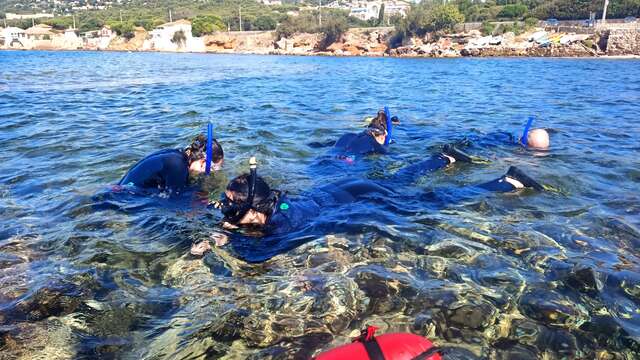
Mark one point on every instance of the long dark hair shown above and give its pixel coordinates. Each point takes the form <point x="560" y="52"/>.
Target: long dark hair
<point x="198" y="149"/>
<point x="264" y="199"/>
<point x="379" y="122"/>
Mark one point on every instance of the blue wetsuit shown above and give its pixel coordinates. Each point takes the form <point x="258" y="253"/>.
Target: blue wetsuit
<point x="294" y="220"/>
<point x="162" y="170"/>
<point x="358" y="144"/>
<point x="498" y="138"/>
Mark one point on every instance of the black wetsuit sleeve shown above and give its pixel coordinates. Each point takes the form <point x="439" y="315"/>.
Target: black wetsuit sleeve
<point x="358" y="144"/>
<point x="344" y="141"/>
<point x="411" y="173"/>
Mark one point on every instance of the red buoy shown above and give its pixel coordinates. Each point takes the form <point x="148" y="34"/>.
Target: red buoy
<point x="396" y="346"/>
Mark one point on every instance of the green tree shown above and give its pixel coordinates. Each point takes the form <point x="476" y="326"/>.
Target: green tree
<point x="381" y="15"/>
<point x="125" y="29"/>
<point x="513" y="11"/>
<point x="333" y="29"/>
<point x="206" y="24"/>
<point x="303" y="23"/>
<point x="265" y="22"/>
<point x="60" y="23"/>
<point x="445" y="17"/>
<point x="179" y="38"/>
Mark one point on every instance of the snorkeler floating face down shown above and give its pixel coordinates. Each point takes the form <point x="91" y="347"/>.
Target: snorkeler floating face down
<point x="196" y="153"/>
<point x="538" y="139"/>
<point x="248" y="201"/>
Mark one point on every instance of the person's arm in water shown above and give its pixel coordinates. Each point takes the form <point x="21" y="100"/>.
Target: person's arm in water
<point x="449" y="155"/>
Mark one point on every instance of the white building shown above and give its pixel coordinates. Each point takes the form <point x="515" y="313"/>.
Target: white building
<point x="98" y="39"/>
<point x="365" y="10"/>
<point x="13" y="38"/>
<point x="12" y="16"/>
<point x="271" y="2"/>
<point x="173" y="36"/>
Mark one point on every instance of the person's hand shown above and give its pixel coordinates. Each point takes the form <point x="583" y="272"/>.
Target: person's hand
<point x="200" y="248"/>
<point x="220" y="239"/>
<point x="229" y="226"/>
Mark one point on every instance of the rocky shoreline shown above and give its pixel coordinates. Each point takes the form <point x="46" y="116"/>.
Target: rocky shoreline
<point x="374" y="42"/>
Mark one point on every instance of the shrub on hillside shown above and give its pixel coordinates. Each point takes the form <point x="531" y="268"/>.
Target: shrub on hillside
<point x="125" y="29"/>
<point x="426" y="17"/>
<point x="513" y="11"/>
<point x="333" y="29"/>
<point x="264" y="22"/>
<point x="206" y="24"/>
<point x="487" y="28"/>
<point x="179" y="38"/>
<point x="303" y="23"/>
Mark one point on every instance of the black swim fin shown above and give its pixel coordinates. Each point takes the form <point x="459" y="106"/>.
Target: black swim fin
<point x="459" y="155"/>
<point x="527" y="181"/>
<point x="455" y="153"/>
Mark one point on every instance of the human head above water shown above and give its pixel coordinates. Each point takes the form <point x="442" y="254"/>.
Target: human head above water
<point x="538" y="139"/>
<point x="197" y="154"/>
<point x="264" y="200"/>
<point x="378" y="127"/>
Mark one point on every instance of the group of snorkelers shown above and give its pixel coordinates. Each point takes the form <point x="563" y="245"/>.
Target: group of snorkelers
<point x="249" y="202"/>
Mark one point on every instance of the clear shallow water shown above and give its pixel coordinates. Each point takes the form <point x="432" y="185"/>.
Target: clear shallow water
<point x="501" y="276"/>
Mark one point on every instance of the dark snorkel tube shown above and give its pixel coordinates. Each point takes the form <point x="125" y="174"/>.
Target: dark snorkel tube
<point x="387" y="114"/>
<point x="207" y="170"/>
<point x="252" y="184"/>
<point x="234" y="211"/>
<point x="525" y="133"/>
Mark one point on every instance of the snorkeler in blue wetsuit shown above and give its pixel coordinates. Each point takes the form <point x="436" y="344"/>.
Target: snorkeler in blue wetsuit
<point x="535" y="139"/>
<point x="375" y="139"/>
<point x="169" y="170"/>
<point x="249" y="202"/>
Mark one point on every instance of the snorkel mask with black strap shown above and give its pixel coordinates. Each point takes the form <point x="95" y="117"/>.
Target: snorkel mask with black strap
<point x="234" y="210"/>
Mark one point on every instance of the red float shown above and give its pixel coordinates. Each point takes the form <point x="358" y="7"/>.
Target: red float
<point x="396" y="346"/>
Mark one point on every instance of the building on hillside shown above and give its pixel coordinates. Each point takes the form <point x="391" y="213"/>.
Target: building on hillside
<point x="106" y="31"/>
<point x="271" y="2"/>
<point x="14" y="38"/>
<point x="365" y="10"/>
<point x="12" y="16"/>
<point x="69" y="40"/>
<point x="173" y="36"/>
<point x="98" y="39"/>
<point x="39" y="32"/>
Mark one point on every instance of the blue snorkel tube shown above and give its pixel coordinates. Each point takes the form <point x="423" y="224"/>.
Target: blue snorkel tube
<point x="387" y="114"/>
<point x="209" y="148"/>
<point x="525" y="133"/>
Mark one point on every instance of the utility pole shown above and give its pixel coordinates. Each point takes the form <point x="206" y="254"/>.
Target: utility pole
<point x="604" y="12"/>
<point x="319" y="12"/>
<point x="120" y="16"/>
<point x="74" y="22"/>
<point x="240" y="16"/>
<point x="170" y="16"/>
<point x="33" y="22"/>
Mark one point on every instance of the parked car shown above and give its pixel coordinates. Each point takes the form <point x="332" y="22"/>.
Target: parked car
<point x="630" y="19"/>
<point x="588" y="23"/>
<point x="552" y="22"/>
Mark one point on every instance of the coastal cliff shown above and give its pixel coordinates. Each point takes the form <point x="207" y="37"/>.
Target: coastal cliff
<point x="376" y="42"/>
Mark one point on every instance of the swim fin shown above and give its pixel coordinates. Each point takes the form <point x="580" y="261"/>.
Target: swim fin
<point x="461" y="156"/>
<point x="527" y="181"/>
